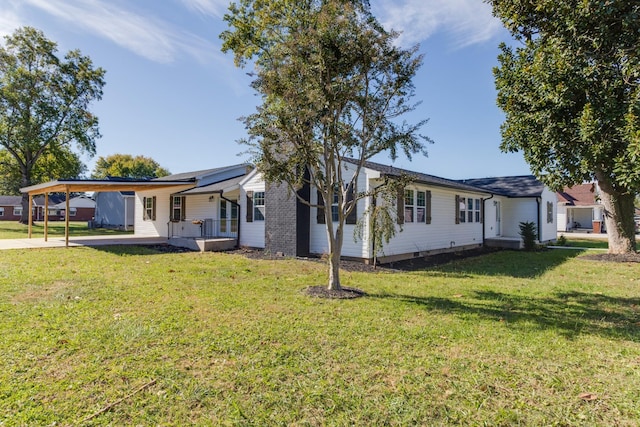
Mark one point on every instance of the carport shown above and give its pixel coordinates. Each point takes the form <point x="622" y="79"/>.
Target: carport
<point x="84" y="185"/>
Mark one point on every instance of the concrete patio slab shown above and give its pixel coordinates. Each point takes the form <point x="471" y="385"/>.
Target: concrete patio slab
<point x="58" y="242"/>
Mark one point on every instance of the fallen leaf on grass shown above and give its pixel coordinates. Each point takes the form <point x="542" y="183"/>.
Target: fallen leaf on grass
<point x="588" y="396"/>
<point x="458" y="296"/>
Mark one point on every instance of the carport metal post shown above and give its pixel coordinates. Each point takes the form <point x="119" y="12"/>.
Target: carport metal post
<point x="46" y="216"/>
<point x="30" y="214"/>
<point x="66" y="217"/>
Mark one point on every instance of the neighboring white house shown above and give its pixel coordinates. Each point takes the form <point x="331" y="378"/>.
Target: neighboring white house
<point x="579" y="209"/>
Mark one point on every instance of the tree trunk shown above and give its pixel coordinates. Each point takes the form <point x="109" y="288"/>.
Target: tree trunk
<point x="618" y="216"/>
<point x="334" y="271"/>
<point x="26" y="182"/>
<point x="335" y="250"/>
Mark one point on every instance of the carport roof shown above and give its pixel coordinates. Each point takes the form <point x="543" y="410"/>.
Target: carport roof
<point x="82" y="185"/>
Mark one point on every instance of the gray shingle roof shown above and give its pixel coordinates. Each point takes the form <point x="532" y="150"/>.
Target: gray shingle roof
<point x="192" y="176"/>
<point x="421" y="177"/>
<point x="510" y="186"/>
<point x="10" y="200"/>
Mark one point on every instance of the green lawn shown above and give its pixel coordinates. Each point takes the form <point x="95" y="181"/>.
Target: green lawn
<point x="15" y="230"/>
<point x="130" y="336"/>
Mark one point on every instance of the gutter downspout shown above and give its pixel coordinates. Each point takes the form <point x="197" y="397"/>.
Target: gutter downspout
<point x="239" y="216"/>
<point x="538" y="202"/>
<point x="484" y="210"/>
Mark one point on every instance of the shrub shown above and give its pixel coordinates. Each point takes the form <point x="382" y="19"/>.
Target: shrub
<point x="528" y="232"/>
<point x="561" y="241"/>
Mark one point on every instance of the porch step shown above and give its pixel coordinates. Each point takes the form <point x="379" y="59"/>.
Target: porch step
<point x="504" y="242"/>
<point x="203" y="244"/>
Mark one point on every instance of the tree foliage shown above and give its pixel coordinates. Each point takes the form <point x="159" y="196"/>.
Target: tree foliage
<point x="571" y="94"/>
<point x="127" y="166"/>
<point x="44" y="105"/>
<point x="333" y="88"/>
<point x="63" y="164"/>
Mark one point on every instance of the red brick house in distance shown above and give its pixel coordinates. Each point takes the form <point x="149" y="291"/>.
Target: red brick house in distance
<point x="579" y="209"/>
<point x="81" y="208"/>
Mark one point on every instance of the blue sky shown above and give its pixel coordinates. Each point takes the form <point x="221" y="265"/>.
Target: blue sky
<point x="170" y="93"/>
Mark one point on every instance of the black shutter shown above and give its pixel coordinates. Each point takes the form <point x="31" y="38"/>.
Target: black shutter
<point x="400" y="203"/>
<point x="457" y="209"/>
<point x="320" y="213"/>
<point x="183" y="210"/>
<point x="249" y="206"/>
<point x="353" y="216"/>
<point x="153" y="212"/>
<point x="428" y="208"/>
<point x="144" y="209"/>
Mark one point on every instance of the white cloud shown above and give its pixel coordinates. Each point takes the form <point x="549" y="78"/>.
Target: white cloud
<point x="9" y="18"/>
<point x="146" y="36"/>
<point x="208" y="7"/>
<point x="466" y="21"/>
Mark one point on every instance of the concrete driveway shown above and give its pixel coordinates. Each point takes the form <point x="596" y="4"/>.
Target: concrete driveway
<point x="59" y="242"/>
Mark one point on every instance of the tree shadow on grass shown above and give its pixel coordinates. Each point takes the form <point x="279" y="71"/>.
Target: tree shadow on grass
<point x="516" y="264"/>
<point x="141" y="249"/>
<point x="570" y="313"/>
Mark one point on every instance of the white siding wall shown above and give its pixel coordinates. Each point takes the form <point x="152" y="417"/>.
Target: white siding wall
<point x="442" y="233"/>
<point x="562" y="218"/>
<point x="251" y="233"/>
<point x="515" y="211"/>
<point x="157" y="228"/>
<point x="548" y="230"/>
<point x="199" y="207"/>
<point x="318" y="232"/>
<point x="491" y="227"/>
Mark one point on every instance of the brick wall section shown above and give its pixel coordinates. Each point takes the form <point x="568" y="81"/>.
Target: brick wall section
<point x="280" y="220"/>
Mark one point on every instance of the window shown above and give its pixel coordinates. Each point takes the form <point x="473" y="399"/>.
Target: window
<point x="73" y="211"/>
<point x="409" y="206"/>
<point x="468" y="210"/>
<point x="178" y="208"/>
<point x="17" y="211"/>
<point x="421" y="203"/>
<point x="149" y="204"/>
<point x="258" y="206"/>
<point x="1" y="211"/>
<point x="549" y="212"/>
<point x="462" y="210"/>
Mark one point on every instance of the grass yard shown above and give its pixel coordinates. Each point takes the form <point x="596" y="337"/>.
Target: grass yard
<point x="15" y="230"/>
<point x="130" y="336"/>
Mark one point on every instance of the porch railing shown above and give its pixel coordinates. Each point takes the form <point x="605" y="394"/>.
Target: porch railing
<point x="204" y="228"/>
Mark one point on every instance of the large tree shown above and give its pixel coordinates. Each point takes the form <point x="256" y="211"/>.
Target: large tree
<point x="63" y="164"/>
<point x="128" y="166"/>
<point x="571" y="93"/>
<point x="44" y="102"/>
<point x="333" y="87"/>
